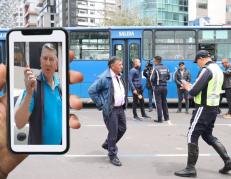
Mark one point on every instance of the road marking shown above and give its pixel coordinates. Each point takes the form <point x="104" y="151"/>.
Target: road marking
<point x="152" y="125"/>
<point x="138" y="155"/>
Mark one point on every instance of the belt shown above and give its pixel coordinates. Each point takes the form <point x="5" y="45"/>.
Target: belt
<point x="118" y="107"/>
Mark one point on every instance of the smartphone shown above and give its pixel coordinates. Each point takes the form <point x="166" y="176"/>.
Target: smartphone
<point x="38" y="91"/>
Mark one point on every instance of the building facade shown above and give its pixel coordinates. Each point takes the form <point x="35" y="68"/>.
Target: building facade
<point x="208" y="12"/>
<point x="162" y="12"/>
<point x="11" y="13"/>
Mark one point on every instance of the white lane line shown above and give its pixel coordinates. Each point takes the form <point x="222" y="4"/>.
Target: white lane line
<point x="152" y="125"/>
<point x="137" y="155"/>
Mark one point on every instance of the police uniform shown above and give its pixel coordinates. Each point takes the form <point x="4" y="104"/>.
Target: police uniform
<point x="159" y="77"/>
<point x="206" y="91"/>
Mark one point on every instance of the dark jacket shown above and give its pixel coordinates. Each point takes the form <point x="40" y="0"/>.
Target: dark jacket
<point x="135" y="78"/>
<point x="102" y="93"/>
<point x="147" y="74"/>
<point x="160" y="75"/>
<point x="227" y="78"/>
<point x="178" y="77"/>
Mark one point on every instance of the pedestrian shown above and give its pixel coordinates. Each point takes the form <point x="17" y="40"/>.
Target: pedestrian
<point x="182" y="75"/>
<point x="206" y="91"/>
<point x="159" y="77"/>
<point x="109" y="94"/>
<point x="147" y="73"/>
<point x="135" y="81"/>
<point x="227" y="85"/>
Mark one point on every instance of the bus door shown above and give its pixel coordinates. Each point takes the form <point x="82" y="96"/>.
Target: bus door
<point x="211" y="48"/>
<point x="127" y="50"/>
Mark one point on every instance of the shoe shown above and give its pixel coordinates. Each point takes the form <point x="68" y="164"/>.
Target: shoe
<point x="220" y="149"/>
<point x="227" y="116"/>
<point x="145" y="116"/>
<point x="190" y="170"/>
<point x="178" y="111"/>
<point x="115" y="161"/>
<point x="158" y="121"/>
<point x="166" y="119"/>
<point x="226" y="168"/>
<point x="150" y="110"/>
<point x="105" y="146"/>
<point x="137" y="118"/>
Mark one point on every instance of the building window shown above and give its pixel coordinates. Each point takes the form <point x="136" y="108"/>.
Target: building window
<point x="92" y="20"/>
<point x="82" y="19"/>
<point x="92" y="12"/>
<point x="52" y="24"/>
<point x="202" y="5"/>
<point x="228" y="8"/>
<point x="92" y="4"/>
<point x="52" y="17"/>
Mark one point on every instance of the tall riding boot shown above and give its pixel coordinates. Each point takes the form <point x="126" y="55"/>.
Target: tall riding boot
<point x="220" y="149"/>
<point x="190" y="170"/>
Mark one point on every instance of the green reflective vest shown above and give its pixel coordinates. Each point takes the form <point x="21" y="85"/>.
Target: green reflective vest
<point x="214" y="86"/>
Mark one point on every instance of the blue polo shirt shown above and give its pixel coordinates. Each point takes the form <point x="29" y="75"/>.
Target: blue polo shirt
<point x="52" y="124"/>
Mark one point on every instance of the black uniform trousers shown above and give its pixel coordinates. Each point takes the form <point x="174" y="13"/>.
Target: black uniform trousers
<point x="202" y="124"/>
<point x="116" y="126"/>
<point x="160" y="93"/>
<point x="136" y="100"/>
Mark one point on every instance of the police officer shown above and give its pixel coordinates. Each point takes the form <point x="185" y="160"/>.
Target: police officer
<point x="135" y="81"/>
<point x="147" y="73"/>
<point x="160" y="75"/>
<point x="206" y="91"/>
<point x="182" y="74"/>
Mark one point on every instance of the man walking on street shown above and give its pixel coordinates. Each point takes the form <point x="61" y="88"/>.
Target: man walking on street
<point x="109" y="94"/>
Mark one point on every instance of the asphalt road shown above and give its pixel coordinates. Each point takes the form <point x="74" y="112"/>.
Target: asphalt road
<point x="148" y="150"/>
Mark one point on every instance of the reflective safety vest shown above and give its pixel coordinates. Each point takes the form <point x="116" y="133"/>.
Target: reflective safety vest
<point x="214" y="86"/>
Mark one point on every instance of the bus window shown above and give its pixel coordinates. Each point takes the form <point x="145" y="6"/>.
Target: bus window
<point x="90" y="45"/>
<point x="176" y="51"/>
<point x="177" y="44"/>
<point x="119" y="51"/>
<point x="217" y="42"/>
<point x="147" y="45"/>
<point x="133" y="51"/>
<point x="19" y="51"/>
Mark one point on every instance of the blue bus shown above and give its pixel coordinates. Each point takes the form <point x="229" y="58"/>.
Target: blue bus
<point x="94" y="46"/>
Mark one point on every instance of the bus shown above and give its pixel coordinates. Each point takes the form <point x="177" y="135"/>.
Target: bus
<point x="94" y="46"/>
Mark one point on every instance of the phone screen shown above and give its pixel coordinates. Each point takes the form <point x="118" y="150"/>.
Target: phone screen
<point x="37" y="91"/>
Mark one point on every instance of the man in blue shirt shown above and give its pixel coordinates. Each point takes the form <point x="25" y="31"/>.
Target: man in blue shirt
<point x="41" y="104"/>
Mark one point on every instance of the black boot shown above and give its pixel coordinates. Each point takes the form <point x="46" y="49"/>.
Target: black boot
<point x="220" y="149"/>
<point x="190" y="170"/>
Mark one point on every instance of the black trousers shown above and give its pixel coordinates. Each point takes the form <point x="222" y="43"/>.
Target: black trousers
<point x="228" y="97"/>
<point x="160" y="93"/>
<point x="116" y="126"/>
<point x="136" y="100"/>
<point x="182" y="94"/>
<point x="202" y="124"/>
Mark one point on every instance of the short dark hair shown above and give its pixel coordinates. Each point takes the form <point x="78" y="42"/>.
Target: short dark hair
<point x="181" y="63"/>
<point x="112" y="60"/>
<point x="158" y="58"/>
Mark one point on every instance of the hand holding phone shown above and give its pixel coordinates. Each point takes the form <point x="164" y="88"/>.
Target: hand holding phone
<point x="38" y="82"/>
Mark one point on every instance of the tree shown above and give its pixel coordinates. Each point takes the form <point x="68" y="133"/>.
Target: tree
<point x="126" y="18"/>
